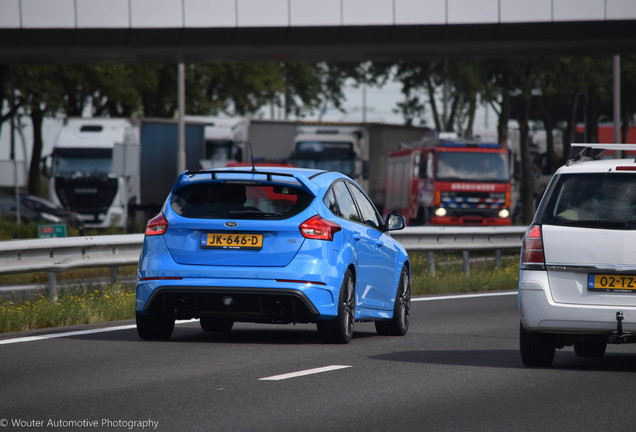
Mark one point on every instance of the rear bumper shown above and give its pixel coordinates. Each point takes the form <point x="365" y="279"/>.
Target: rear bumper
<point x="238" y="300"/>
<point x="540" y="313"/>
<point x="236" y="304"/>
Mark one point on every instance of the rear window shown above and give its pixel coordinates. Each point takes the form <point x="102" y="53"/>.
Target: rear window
<point x="603" y="200"/>
<point x="229" y="200"/>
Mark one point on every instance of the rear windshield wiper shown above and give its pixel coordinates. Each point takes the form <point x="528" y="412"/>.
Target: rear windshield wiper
<point x="600" y="224"/>
<point x="253" y="212"/>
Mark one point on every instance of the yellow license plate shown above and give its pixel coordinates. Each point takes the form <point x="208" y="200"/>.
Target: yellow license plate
<point x="232" y="241"/>
<point x="605" y="282"/>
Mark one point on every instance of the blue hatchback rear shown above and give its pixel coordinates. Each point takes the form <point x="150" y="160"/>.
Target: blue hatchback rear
<point x="272" y="245"/>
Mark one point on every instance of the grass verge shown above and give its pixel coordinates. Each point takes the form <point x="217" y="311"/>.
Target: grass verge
<point x="111" y="302"/>
<point x="450" y="278"/>
<point x="91" y="304"/>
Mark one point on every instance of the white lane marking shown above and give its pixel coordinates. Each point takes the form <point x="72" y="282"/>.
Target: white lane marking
<point x="303" y="373"/>
<point x="463" y="296"/>
<point x="128" y="327"/>
<point x="66" y="334"/>
<point x="75" y="333"/>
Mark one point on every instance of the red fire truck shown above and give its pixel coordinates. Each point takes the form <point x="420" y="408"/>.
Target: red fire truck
<point x="451" y="183"/>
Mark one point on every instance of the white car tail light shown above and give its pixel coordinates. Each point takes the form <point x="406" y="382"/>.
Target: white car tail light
<point x="532" y="250"/>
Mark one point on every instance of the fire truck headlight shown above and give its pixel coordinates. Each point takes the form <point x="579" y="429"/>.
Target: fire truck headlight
<point x="504" y="213"/>
<point x="440" y="212"/>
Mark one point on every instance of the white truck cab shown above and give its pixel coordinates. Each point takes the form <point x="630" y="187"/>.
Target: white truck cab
<point x="80" y="170"/>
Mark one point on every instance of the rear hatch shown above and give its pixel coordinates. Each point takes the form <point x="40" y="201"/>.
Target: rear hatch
<point x="251" y="243"/>
<point x="589" y="236"/>
<point x="591" y="266"/>
<point x="236" y="220"/>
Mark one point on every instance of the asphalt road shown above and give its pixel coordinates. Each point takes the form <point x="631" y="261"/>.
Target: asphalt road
<point x="458" y="369"/>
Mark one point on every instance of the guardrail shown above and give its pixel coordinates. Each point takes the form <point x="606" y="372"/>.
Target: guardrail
<point x="112" y="251"/>
<point x="56" y="255"/>
<point x="465" y="239"/>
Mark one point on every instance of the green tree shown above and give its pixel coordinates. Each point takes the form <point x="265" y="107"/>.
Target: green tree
<point x="598" y="92"/>
<point x="245" y="88"/>
<point x="6" y="92"/>
<point x="524" y="79"/>
<point x="40" y="93"/>
<point x="628" y="93"/>
<point x="421" y="81"/>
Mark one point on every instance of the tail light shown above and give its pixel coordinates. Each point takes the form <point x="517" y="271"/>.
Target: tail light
<point x="157" y="225"/>
<point x="532" y="249"/>
<point x="319" y="228"/>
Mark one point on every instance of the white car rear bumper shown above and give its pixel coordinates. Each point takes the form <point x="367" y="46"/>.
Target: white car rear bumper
<point x="539" y="312"/>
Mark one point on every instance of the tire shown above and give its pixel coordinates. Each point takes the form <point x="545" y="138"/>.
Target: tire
<point x="536" y="348"/>
<point x="154" y="326"/>
<point x="590" y="349"/>
<point x="216" y="325"/>
<point x="340" y="329"/>
<point x="399" y="324"/>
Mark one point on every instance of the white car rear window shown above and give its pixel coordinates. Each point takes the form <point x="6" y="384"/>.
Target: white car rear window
<point x="597" y="200"/>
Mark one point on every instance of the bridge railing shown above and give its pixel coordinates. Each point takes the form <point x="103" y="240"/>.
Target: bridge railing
<point x="112" y="251"/>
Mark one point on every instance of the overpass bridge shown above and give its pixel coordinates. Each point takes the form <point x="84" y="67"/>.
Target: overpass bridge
<point x="126" y="31"/>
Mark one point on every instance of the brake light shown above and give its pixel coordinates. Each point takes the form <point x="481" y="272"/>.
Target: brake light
<point x="319" y="228"/>
<point x="532" y="250"/>
<point x="157" y="225"/>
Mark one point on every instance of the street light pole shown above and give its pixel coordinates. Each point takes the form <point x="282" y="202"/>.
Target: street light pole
<point x="181" y="153"/>
<point x="617" y="98"/>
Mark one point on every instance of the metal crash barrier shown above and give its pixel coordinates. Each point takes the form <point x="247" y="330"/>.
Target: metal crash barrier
<point x="433" y="239"/>
<point x="56" y="255"/>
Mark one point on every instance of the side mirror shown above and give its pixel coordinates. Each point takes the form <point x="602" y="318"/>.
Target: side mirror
<point x="395" y="222"/>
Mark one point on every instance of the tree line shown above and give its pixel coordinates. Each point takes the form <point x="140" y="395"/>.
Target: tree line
<point x="557" y="91"/>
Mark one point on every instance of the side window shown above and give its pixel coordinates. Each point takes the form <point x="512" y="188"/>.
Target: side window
<point x="345" y="202"/>
<point x="369" y="214"/>
<point x="330" y="202"/>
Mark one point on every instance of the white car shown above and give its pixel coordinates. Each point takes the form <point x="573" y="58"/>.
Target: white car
<point x="577" y="278"/>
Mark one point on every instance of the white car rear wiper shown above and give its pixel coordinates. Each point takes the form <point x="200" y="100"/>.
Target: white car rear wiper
<point x="600" y="224"/>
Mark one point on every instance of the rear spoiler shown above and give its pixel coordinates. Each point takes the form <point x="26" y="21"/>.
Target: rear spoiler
<point x="256" y="176"/>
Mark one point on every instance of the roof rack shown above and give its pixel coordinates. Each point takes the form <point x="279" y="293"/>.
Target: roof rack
<point x="595" y="150"/>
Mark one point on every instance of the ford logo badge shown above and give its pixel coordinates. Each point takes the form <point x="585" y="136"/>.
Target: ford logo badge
<point x="231" y="224"/>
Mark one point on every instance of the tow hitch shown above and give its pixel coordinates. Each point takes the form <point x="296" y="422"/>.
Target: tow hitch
<point x="620" y="336"/>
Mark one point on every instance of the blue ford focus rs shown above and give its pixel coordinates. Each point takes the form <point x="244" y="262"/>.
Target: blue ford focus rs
<point x="272" y="245"/>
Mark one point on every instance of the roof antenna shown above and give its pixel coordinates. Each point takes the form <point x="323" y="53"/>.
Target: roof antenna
<point x="252" y="156"/>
